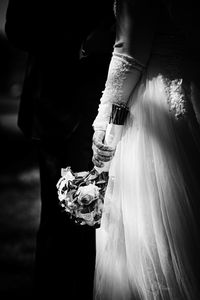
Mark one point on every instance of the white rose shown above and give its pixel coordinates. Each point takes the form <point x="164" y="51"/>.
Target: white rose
<point x="67" y="174"/>
<point x="86" y="194"/>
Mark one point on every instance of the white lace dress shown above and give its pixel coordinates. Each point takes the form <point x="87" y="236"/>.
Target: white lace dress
<point x="147" y="246"/>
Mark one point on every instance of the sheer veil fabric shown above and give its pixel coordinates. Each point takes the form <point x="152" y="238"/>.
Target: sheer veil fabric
<point x="147" y="246"/>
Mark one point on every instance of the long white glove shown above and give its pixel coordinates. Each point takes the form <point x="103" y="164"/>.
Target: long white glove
<point x="123" y="75"/>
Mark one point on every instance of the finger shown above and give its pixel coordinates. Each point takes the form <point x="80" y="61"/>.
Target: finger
<point x="104" y="158"/>
<point x="103" y="153"/>
<point x="102" y="146"/>
<point x="98" y="136"/>
<point x="101" y="157"/>
<point x="96" y="162"/>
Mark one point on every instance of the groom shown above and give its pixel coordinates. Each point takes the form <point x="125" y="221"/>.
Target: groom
<point x="69" y="44"/>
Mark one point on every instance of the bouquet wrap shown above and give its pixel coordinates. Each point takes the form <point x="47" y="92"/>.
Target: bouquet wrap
<point x="81" y="194"/>
<point x="114" y="130"/>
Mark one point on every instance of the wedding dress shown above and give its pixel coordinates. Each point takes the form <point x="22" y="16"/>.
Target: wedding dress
<point x="147" y="245"/>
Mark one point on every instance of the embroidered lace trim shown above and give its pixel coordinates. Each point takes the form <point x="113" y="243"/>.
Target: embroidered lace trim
<point x="115" y="7"/>
<point x="178" y="92"/>
<point x="121" y="65"/>
<point x="176" y="98"/>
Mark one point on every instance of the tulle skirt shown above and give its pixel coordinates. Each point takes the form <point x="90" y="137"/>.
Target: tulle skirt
<point x="147" y="245"/>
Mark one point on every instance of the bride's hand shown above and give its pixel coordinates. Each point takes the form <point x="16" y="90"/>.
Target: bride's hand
<point x="101" y="152"/>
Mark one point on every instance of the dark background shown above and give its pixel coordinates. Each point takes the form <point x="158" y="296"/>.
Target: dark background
<point x="19" y="173"/>
<point x="19" y="179"/>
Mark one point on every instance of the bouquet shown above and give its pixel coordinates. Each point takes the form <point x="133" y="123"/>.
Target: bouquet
<point x="81" y="194"/>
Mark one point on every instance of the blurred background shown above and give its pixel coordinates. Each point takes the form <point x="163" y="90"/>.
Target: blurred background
<point x="19" y="179"/>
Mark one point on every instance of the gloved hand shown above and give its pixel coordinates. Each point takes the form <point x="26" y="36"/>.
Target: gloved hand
<point x="101" y="152"/>
<point x="123" y="75"/>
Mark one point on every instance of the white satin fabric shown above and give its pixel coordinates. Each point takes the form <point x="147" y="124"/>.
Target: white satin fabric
<point x="148" y="241"/>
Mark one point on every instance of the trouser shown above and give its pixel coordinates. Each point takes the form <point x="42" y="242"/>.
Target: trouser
<point x="65" y="251"/>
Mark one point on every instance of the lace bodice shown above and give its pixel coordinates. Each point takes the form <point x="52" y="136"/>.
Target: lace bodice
<point x="170" y="49"/>
<point x="115" y="7"/>
<point x="170" y="44"/>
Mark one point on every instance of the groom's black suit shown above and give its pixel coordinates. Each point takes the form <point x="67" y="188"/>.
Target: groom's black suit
<point x="58" y="104"/>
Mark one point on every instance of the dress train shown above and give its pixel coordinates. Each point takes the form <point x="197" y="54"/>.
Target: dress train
<point x="147" y="245"/>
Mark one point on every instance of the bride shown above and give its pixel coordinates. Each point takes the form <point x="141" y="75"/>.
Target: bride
<point x="147" y="245"/>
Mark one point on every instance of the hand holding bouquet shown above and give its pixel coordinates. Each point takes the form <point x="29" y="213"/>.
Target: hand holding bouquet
<point x="81" y="194"/>
<point x="105" y="142"/>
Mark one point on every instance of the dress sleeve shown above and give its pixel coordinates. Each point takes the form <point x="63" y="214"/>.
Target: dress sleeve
<point x="135" y="27"/>
<point x="136" y="22"/>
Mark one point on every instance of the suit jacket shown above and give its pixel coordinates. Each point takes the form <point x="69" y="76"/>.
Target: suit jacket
<point x="53" y="32"/>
